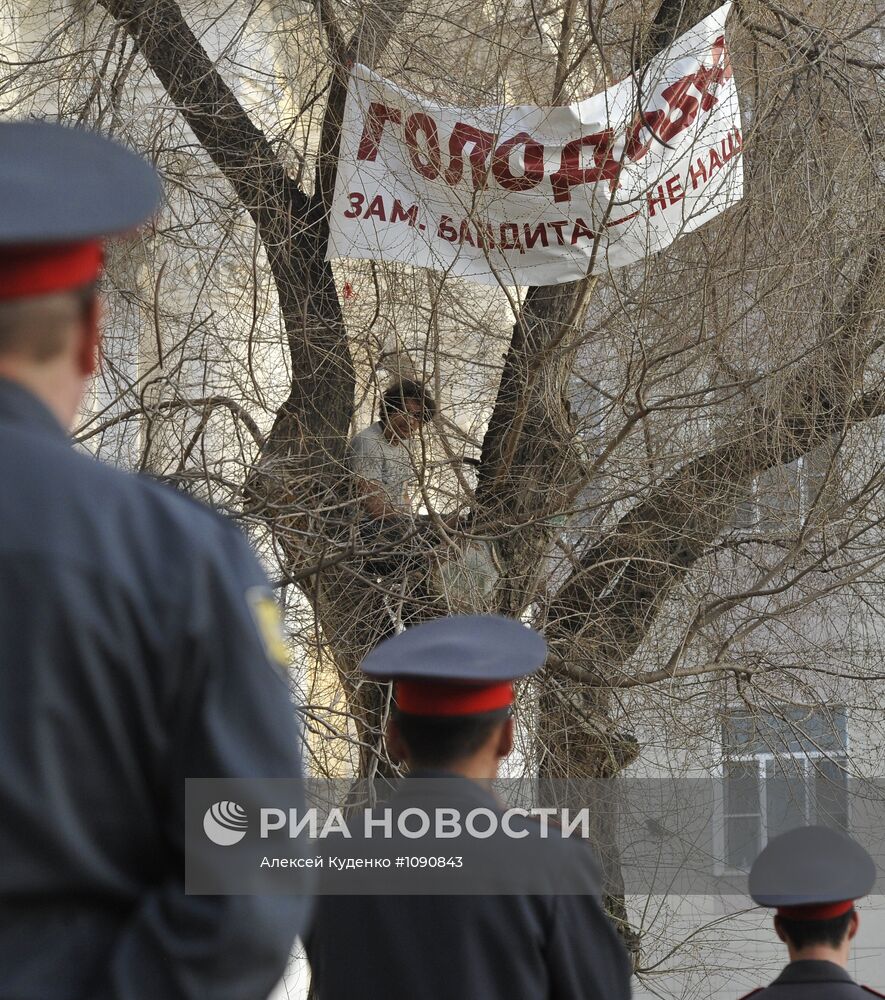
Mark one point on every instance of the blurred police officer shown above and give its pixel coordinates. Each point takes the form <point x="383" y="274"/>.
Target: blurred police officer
<point x="527" y="922"/>
<point x="136" y="639"/>
<point x="812" y="875"/>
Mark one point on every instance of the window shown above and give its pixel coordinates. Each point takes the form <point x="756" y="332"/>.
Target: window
<point x="778" y="500"/>
<point x="781" y="770"/>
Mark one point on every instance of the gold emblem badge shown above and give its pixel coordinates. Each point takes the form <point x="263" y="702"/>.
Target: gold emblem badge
<point x="269" y="623"/>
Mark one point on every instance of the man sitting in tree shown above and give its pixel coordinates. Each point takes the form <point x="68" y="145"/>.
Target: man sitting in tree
<point x="397" y="536"/>
<point x="383" y="467"/>
<point x="379" y="458"/>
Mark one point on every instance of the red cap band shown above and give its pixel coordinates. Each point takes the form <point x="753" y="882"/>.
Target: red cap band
<point x="443" y="698"/>
<point x="824" y="912"/>
<point x="40" y="270"/>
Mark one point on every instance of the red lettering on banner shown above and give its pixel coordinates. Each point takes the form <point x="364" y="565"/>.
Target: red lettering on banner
<point x="571" y="173"/>
<point x="703" y="168"/>
<point x="531" y="236"/>
<point x="446" y="230"/>
<point x="532" y="160"/>
<point x="682" y="110"/>
<point x="400" y="214"/>
<point x="733" y="141"/>
<point x="517" y="162"/>
<point x="356" y="204"/>
<point x="699" y="175"/>
<point x="634" y="149"/>
<point x="481" y="142"/>
<point x="667" y="193"/>
<point x="660" y="200"/>
<point x="722" y="58"/>
<point x="465" y="235"/>
<point x="485" y="237"/>
<point x="426" y="161"/>
<point x="376" y="209"/>
<point x="509" y="237"/>
<point x="664" y="125"/>
<point x="558" y="226"/>
<point x="377" y="117"/>
<point x="580" y="229"/>
<point x="622" y="220"/>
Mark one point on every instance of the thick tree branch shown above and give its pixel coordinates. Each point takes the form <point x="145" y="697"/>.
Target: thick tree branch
<point x="672" y="19"/>
<point x="531" y="469"/>
<point x="367" y="45"/>
<point x="304" y="451"/>
<point x="238" y="148"/>
<point x="611" y="599"/>
<point x="292" y="227"/>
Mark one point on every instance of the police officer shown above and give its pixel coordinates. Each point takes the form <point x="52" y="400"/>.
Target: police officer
<point x="137" y="644"/>
<point x="526" y="921"/>
<point x="812" y="875"/>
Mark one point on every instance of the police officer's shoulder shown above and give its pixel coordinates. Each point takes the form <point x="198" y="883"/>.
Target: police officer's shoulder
<point x="752" y="993"/>
<point x="550" y="829"/>
<point x="869" y="989"/>
<point x="570" y="852"/>
<point x="214" y="557"/>
<point x="152" y="523"/>
<point x="192" y="513"/>
<point x="201" y="529"/>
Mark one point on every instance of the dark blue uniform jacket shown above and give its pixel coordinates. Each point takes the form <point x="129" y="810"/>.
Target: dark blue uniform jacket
<point x="129" y="660"/>
<point x="524" y="946"/>
<point x="814" y="980"/>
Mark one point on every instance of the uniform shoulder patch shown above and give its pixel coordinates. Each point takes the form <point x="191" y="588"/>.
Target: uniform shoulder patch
<point x="269" y="622"/>
<point x="875" y="993"/>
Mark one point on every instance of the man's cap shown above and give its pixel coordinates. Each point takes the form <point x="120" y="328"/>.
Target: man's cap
<point x="461" y="665"/>
<point x="63" y="191"/>
<point x="811" y="873"/>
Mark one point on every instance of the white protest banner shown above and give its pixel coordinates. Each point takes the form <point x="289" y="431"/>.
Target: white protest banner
<point x="533" y="196"/>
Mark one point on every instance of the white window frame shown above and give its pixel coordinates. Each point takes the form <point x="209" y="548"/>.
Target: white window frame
<point x="722" y="867"/>
<point x="755" y="500"/>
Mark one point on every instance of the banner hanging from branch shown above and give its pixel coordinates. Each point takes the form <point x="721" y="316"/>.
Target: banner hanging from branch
<point x="535" y="196"/>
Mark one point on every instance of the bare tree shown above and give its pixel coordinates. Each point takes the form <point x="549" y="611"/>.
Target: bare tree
<point x="633" y="417"/>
